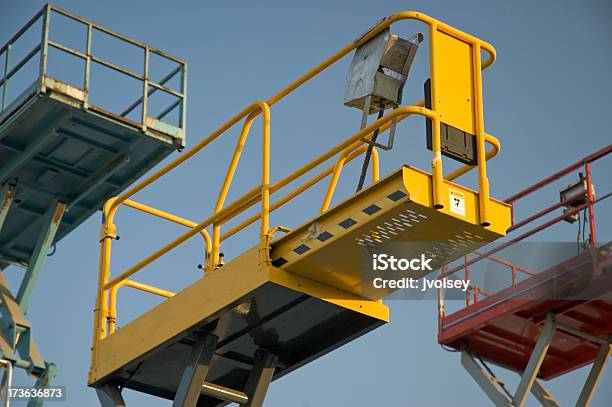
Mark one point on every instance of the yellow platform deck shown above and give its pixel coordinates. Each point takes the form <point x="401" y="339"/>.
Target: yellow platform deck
<point x="248" y="308"/>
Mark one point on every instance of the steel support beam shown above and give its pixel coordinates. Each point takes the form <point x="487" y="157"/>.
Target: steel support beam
<point x="16" y="334"/>
<point x="7" y="194"/>
<point x="590" y="386"/>
<point x="545" y="398"/>
<point x="260" y="378"/>
<point x="50" y="224"/>
<point x="110" y="396"/>
<point x="16" y="338"/>
<point x="224" y="393"/>
<point x="535" y="361"/>
<point x="194" y="375"/>
<point x="529" y="382"/>
<point x="43" y="382"/>
<point x="484" y="381"/>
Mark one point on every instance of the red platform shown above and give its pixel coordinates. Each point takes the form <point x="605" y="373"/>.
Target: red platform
<point x="504" y="327"/>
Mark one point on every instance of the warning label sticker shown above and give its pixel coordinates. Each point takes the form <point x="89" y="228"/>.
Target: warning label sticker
<point x="457" y="202"/>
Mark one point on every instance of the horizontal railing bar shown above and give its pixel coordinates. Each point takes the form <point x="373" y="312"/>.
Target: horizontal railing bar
<point x="117" y="68"/>
<point x="148" y="288"/>
<point x="166" y="55"/>
<point x="169" y="217"/>
<point x="22" y="30"/>
<point x="67" y="49"/>
<point x="165" y="89"/>
<point x="541" y="213"/>
<point x="151" y="91"/>
<point x="538" y="185"/>
<point x="507" y="263"/>
<point x="546" y="211"/>
<point x="18" y="66"/>
<point x="115" y="34"/>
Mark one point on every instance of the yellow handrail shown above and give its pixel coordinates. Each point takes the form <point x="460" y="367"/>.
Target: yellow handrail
<point x="112" y="302"/>
<point x="172" y="218"/>
<point x="349" y="149"/>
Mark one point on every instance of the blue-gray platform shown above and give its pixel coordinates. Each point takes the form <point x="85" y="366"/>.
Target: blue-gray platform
<point x="52" y="148"/>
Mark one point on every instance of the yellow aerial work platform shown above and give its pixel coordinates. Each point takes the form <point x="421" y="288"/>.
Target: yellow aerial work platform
<point x="289" y="300"/>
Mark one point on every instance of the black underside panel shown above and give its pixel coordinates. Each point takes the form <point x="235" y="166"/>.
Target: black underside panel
<point x="296" y="327"/>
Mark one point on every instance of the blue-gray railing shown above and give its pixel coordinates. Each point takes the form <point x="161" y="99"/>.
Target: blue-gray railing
<point x="41" y="48"/>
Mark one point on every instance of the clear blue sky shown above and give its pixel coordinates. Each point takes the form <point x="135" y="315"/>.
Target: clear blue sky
<point x="547" y="98"/>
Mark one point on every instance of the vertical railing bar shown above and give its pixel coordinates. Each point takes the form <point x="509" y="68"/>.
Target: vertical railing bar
<point x="436" y="162"/>
<point x="44" y="46"/>
<point x="590" y="199"/>
<point x="481" y="160"/>
<point x="145" y="89"/>
<point x="5" y="78"/>
<point x="183" y="112"/>
<point x="468" y="279"/>
<point x="87" y="65"/>
<point x="441" y="310"/>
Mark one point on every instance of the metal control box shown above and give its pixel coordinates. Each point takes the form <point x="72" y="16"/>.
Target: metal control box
<point x="379" y="69"/>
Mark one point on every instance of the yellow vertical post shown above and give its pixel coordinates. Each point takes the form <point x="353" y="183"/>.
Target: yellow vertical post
<point x="107" y="234"/>
<point x="483" y="182"/>
<point x="216" y="243"/>
<point x="265" y="185"/>
<point x="375" y="166"/>
<point x="112" y="308"/>
<point x="436" y="162"/>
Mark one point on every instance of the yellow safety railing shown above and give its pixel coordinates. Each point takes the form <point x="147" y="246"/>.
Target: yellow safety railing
<point x="105" y="310"/>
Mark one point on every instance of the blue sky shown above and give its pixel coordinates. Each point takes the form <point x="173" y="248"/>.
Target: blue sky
<point x="547" y="98"/>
